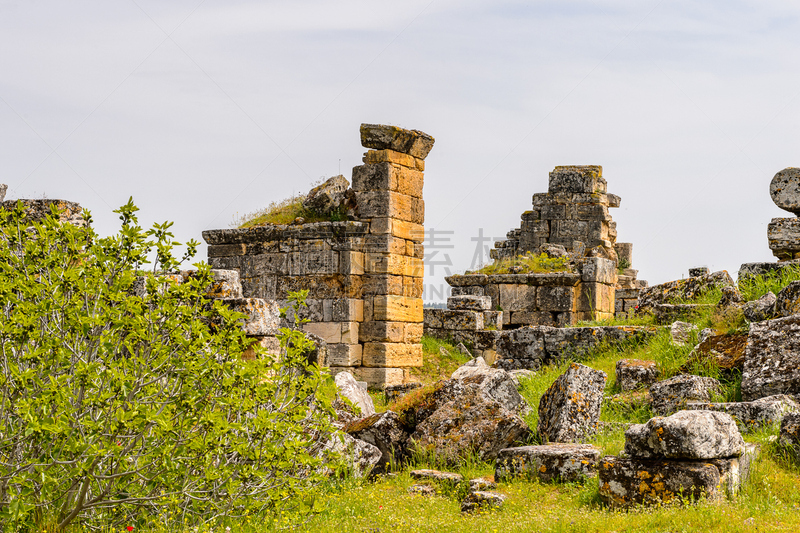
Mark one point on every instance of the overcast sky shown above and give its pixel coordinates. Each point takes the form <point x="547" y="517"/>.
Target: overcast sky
<point x="206" y="110"/>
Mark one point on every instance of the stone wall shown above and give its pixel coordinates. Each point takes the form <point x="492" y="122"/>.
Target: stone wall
<point x="364" y="275"/>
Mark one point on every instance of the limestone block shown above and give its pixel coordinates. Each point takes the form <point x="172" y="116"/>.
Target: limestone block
<point x="577" y="179"/>
<point x="592" y="212"/>
<point x="570" y="230"/>
<point x="790" y="434"/>
<point x="347" y="386"/>
<point x="493" y="319"/>
<point x="787" y="301"/>
<point x="599" y="270"/>
<point x="482" y="500"/>
<point x="553" y="212"/>
<point x="476" y="290"/>
<point x="399" y="228"/>
<point x="785" y="190"/>
<point x="693" y="434"/>
<point x="680" y="332"/>
<point x="226" y="250"/>
<point x="379" y="377"/>
<point x="330" y="332"/>
<point x="516" y="297"/>
<point x="469" y="303"/>
<point x="225" y="284"/>
<point x="390" y="156"/>
<point x="761" y="309"/>
<point x="351" y="263"/>
<point x="698" y="271"/>
<point x="783" y="235"/>
<point x="772" y="358"/>
<point x="672" y="394"/>
<point x="386" y="432"/>
<point x="394" y="264"/>
<point x="613" y="200"/>
<point x="569" y="411"/>
<point x="411" y="142"/>
<point x="327" y="197"/>
<point x="268" y="345"/>
<point x="392" y="331"/>
<point x="532" y="215"/>
<point x="520" y="348"/>
<point x="555" y="299"/>
<point x="397" y="308"/>
<point x="530" y="318"/>
<point x="683" y="289"/>
<point x="631" y="482"/>
<point x="388" y="177"/>
<point x="559" y="462"/>
<point x="390" y="204"/>
<point x="262" y="316"/>
<point x="462" y="320"/>
<point x="753" y="416"/>
<point x="633" y="374"/>
<point x="344" y="355"/>
<point x="383" y="284"/>
<point x="261" y="264"/>
<point x="386" y="354"/>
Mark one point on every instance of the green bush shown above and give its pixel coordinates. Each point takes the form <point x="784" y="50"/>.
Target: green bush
<point x="123" y="395"/>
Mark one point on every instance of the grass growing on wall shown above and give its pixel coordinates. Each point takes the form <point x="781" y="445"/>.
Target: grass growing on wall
<point x="527" y="264"/>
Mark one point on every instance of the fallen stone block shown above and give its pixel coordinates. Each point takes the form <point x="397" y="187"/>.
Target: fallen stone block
<point x="436" y="476"/>
<point x="683" y="289"/>
<point x="752" y="416"/>
<point x="481" y="483"/>
<point x="384" y="431"/>
<point x="628" y="482"/>
<point x="327" y="197"/>
<point x="671" y="395"/>
<point x="551" y="462"/>
<point x="726" y="352"/>
<point x="772" y="358"/>
<point x="680" y="332"/>
<point x="358" y="455"/>
<point x="348" y="387"/>
<point x="685" y="435"/>
<point x="789" y="436"/>
<point x="633" y="374"/>
<point x="570" y="409"/>
<point x="787" y="301"/>
<point x="422" y="490"/>
<point x="784" y="189"/>
<point x="783" y="236"/>
<point x="482" y="500"/>
<point x="761" y="309"/>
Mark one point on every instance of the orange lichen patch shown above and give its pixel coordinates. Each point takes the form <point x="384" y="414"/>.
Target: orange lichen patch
<point x="644" y="474"/>
<point x="543" y="469"/>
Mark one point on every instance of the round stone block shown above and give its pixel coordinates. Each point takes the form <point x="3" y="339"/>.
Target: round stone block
<point x="785" y="190"/>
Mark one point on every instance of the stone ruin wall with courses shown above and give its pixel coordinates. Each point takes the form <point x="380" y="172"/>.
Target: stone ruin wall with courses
<point x="364" y="276"/>
<point x="573" y="214"/>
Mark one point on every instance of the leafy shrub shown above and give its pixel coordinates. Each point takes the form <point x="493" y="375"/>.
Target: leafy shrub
<point x="123" y="394"/>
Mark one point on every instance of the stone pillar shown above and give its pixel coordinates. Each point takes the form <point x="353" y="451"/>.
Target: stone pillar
<point x="784" y="233"/>
<point x="388" y="189"/>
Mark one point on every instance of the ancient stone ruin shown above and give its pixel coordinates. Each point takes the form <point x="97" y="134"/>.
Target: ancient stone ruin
<point x="570" y="221"/>
<point x="364" y="274"/>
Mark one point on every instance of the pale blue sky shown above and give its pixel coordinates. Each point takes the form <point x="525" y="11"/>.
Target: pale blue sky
<point x="205" y="109"/>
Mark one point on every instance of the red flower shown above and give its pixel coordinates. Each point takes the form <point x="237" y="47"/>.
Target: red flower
<point x="129" y="528"/>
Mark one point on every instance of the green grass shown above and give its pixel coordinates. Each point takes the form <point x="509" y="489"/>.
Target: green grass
<point x="285" y="212"/>
<point x="753" y="288"/>
<point x="525" y="264"/>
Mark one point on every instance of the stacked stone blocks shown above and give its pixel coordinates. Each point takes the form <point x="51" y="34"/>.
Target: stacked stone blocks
<point x="364" y="275"/>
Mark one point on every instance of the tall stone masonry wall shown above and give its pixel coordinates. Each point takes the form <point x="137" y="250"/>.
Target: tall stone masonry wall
<point x="364" y="275"/>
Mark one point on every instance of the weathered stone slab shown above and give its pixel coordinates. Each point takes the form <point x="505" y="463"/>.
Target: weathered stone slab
<point x="761" y="309"/>
<point x="787" y="301"/>
<point x="790" y="434"/>
<point x="752" y="416"/>
<point x="479" y="499"/>
<point x="680" y="332"/>
<point x="785" y="190"/>
<point x="750" y="270"/>
<point x="783" y="235"/>
<point x="262" y="316"/>
<point x="685" y="435"/>
<point x="412" y="142"/>
<point x="360" y="456"/>
<point x="570" y="409"/>
<point x="670" y="395"/>
<point x="327" y="197"/>
<point x="633" y="374"/>
<point x="626" y="482"/>
<point x="388" y="177"/>
<point x="772" y="358"/>
<point x="683" y="289"/>
<point x="348" y="387"/>
<point x="469" y="303"/>
<point x="384" y="431"/>
<point x="726" y="352"/>
<point x="552" y="462"/>
<point x="577" y="179"/>
<point x="275" y="233"/>
<point x="391" y="354"/>
<point x="436" y="476"/>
